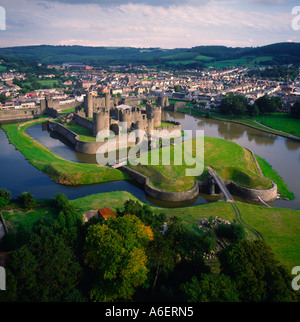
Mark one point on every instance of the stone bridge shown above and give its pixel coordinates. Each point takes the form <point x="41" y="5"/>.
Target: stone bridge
<point x="217" y="180"/>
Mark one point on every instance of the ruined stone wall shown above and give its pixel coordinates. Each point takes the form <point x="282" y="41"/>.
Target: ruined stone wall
<point x="88" y="124"/>
<point x="89" y="147"/>
<point x="19" y="115"/>
<point x="131" y="101"/>
<point x="51" y="112"/>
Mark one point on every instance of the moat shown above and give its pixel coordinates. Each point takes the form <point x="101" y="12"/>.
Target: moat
<point x="18" y="175"/>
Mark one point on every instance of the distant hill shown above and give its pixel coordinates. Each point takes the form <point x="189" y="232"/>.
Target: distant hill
<point x="196" y="57"/>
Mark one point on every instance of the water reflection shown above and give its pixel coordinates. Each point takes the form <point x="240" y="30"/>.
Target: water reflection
<point x="230" y="131"/>
<point x="281" y="153"/>
<point x="291" y="145"/>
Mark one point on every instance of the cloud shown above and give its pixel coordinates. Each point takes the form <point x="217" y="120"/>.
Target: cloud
<point x="139" y="24"/>
<point x="113" y="3"/>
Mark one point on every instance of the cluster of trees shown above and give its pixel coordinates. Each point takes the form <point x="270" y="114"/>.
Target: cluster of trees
<point x="275" y="72"/>
<point x="238" y="105"/>
<point x="137" y="255"/>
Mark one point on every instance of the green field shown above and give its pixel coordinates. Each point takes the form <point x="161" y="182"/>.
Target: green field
<point x="203" y="58"/>
<point x="231" y="161"/>
<point x="279" y="227"/>
<point x="70" y="110"/>
<point x="49" y="83"/>
<point x="277" y="124"/>
<point x="269" y="172"/>
<point x="60" y="170"/>
<point x="247" y="61"/>
<point x="281" y="122"/>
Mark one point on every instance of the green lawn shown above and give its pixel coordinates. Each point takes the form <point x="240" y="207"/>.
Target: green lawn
<point x="69" y="110"/>
<point x="84" y="134"/>
<point x="60" y="170"/>
<point x="277" y="124"/>
<point x="50" y="83"/>
<point x="281" y="122"/>
<point x="164" y="124"/>
<point x="231" y="161"/>
<point x="269" y="172"/>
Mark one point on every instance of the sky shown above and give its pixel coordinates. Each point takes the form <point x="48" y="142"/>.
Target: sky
<point x="149" y="23"/>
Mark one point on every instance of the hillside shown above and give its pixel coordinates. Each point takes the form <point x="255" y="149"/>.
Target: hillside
<point x="195" y="57"/>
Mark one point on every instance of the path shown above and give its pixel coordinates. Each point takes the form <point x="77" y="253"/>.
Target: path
<point x="230" y="199"/>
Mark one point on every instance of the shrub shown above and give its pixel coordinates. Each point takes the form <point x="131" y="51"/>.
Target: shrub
<point x="27" y="200"/>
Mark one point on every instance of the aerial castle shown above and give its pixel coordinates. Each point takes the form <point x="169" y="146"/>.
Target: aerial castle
<point x="107" y="115"/>
<point x="123" y="117"/>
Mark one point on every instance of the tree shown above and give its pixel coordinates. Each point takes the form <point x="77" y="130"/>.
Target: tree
<point x="115" y="251"/>
<point x="253" y="110"/>
<point x="233" y="104"/>
<point x="4" y="193"/>
<point x="234" y="232"/>
<point x="257" y="275"/>
<point x="5" y="197"/>
<point x="67" y="214"/>
<point x="268" y="104"/>
<point x="27" y="200"/>
<point x="45" y="268"/>
<point x="177" y="88"/>
<point x="162" y="257"/>
<point x="210" y="288"/>
<point x="143" y="212"/>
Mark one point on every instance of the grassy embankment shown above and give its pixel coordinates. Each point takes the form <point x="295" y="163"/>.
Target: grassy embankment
<point x="230" y="160"/>
<point x="60" y="170"/>
<point x="270" y="173"/>
<point x="277" y="123"/>
<point x="279" y="227"/>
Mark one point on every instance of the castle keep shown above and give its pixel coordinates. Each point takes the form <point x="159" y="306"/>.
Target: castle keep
<point x="106" y="115"/>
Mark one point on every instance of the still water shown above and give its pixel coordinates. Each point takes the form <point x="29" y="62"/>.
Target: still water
<point x="283" y="154"/>
<point x="18" y="175"/>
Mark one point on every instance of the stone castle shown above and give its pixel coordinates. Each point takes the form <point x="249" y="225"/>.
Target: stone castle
<point x="121" y="116"/>
<point x="108" y="114"/>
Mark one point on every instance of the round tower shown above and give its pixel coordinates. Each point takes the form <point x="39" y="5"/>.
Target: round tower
<point x="163" y="101"/>
<point x="126" y="117"/>
<point x="154" y="113"/>
<point x="101" y="122"/>
<point x="88" y="107"/>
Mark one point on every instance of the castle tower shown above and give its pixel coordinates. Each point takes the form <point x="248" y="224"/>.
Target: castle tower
<point x="126" y="117"/>
<point x="107" y="101"/>
<point x="154" y="113"/>
<point x="101" y="122"/>
<point x="163" y="101"/>
<point x="88" y="105"/>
